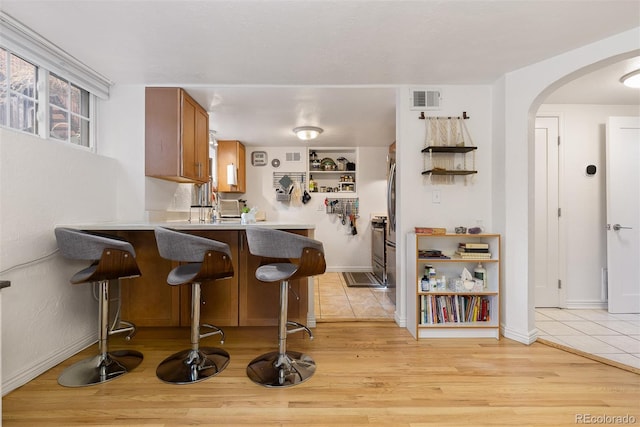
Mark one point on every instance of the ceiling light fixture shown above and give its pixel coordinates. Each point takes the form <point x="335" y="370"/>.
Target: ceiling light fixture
<point x="306" y="133"/>
<point x="631" y="79"/>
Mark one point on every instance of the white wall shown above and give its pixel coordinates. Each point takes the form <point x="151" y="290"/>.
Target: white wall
<point x="44" y="183"/>
<point x="121" y="136"/>
<point x="582" y="132"/>
<point x="460" y="203"/>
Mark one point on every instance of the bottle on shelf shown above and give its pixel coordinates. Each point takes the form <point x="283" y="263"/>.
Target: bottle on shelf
<point x="312" y="185"/>
<point x="442" y="283"/>
<point x="424" y="282"/>
<point x="481" y="273"/>
<point x="433" y="282"/>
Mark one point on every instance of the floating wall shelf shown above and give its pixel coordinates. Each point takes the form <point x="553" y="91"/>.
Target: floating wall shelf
<point x="447" y="149"/>
<point x="447" y="143"/>
<point x="448" y="172"/>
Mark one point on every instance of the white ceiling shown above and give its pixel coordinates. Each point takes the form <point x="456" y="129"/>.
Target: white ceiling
<point x="264" y="67"/>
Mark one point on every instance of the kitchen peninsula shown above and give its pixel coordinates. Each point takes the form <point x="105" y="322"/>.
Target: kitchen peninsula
<point x="238" y="301"/>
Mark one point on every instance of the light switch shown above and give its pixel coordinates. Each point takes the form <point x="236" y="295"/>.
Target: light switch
<point x="435" y="196"/>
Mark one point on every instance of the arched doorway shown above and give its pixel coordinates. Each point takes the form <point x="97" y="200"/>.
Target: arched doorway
<point x="519" y="95"/>
<point x="581" y="197"/>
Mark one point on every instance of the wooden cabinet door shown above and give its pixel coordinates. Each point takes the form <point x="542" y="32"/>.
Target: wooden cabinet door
<point x="242" y="170"/>
<point x="231" y="152"/>
<point x="188" y="135"/>
<point x="163" y="120"/>
<point x="219" y="298"/>
<point x="176" y="136"/>
<point x="260" y="302"/>
<point x="148" y="300"/>
<point x="202" y="144"/>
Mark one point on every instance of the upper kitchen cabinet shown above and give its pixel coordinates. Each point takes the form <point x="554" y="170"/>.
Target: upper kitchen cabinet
<point x="176" y="136"/>
<point x="232" y="173"/>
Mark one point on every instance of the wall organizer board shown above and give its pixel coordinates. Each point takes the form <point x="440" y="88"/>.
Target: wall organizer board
<point x="446" y="146"/>
<point x="289" y="186"/>
<point x="347" y="210"/>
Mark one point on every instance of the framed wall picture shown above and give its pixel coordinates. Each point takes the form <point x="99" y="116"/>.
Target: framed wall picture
<point x="258" y="158"/>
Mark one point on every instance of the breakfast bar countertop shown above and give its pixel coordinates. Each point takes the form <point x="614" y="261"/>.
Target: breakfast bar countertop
<point x="186" y="225"/>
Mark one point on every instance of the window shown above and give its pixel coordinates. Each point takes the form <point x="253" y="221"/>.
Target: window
<point x="68" y="119"/>
<point x="44" y="90"/>
<point x="68" y="111"/>
<point x="18" y="94"/>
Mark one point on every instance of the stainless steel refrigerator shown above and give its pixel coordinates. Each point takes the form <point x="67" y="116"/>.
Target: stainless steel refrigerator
<point x="390" y="242"/>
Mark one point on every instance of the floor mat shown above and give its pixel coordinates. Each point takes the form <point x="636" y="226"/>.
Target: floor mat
<point x="360" y="280"/>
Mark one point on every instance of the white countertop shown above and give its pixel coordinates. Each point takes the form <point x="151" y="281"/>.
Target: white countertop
<point x="186" y="225"/>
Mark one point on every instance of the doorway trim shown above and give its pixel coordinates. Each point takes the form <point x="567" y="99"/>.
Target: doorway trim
<point x="553" y="211"/>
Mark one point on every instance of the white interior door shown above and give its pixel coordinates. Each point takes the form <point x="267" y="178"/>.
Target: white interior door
<point x="623" y="214"/>
<point x="547" y="225"/>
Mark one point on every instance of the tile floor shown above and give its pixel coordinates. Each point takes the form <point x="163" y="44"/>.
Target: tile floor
<point x="335" y="301"/>
<point x="615" y="337"/>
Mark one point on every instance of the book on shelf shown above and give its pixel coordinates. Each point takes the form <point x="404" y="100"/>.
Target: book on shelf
<point x="474" y="255"/>
<point x="474" y="245"/>
<point x="438" y="309"/>
<point x="473" y="250"/>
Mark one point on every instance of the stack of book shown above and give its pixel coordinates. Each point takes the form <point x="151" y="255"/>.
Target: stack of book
<point x="475" y="250"/>
<point x="431" y="254"/>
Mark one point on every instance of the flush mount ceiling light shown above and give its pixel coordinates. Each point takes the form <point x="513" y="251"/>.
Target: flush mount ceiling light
<point x="631" y="79"/>
<point x="306" y="133"/>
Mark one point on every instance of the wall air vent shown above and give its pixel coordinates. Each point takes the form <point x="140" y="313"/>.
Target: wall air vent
<point x="293" y="157"/>
<point x="426" y="99"/>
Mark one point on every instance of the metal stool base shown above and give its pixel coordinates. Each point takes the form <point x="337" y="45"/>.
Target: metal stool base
<point x="294" y="368"/>
<point x="98" y="369"/>
<point x="191" y="366"/>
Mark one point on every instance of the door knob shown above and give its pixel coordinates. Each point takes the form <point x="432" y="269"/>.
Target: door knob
<point x="617" y="227"/>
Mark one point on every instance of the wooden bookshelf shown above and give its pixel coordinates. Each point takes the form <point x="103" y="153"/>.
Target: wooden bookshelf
<point x="451" y="311"/>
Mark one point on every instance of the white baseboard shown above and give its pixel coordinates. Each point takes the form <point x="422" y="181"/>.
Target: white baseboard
<point x="400" y="321"/>
<point x="527" y="338"/>
<point x="584" y="305"/>
<point x="45" y="363"/>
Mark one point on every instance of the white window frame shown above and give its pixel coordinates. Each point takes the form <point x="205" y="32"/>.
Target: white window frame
<point x="69" y="112"/>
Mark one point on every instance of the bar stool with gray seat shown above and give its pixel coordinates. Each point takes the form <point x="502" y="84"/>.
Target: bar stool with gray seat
<point x="295" y="257"/>
<point x="111" y="258"/>
<point x="205" y="260"/>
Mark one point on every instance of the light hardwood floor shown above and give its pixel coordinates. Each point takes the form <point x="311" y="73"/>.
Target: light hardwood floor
<point x="368" y="374"/>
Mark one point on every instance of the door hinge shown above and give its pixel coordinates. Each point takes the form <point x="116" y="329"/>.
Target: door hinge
<point x="558" y="139"/>
<point x="559" y="212"/>
<point x="559" y="284"/>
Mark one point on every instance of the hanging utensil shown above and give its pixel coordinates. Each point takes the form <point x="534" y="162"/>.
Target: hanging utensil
<point x="344" y="214"/>
<point x="354" y="230"/>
